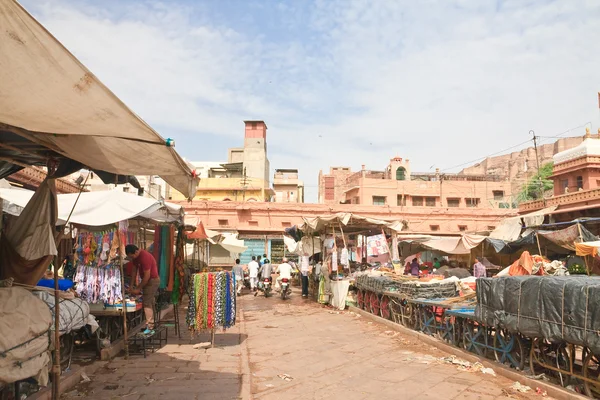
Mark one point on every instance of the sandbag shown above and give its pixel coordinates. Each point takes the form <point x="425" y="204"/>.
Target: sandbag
<point x="25" y="323"/>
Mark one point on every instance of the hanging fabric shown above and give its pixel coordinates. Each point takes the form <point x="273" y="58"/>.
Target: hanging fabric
<point x="212" y="302"/>
<point x="334" y="260"/>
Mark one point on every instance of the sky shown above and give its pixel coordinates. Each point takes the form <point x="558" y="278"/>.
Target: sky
<point x="344" y="82"/>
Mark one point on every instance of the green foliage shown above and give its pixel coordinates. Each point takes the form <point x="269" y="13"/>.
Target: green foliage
<point x="531" y="189"/>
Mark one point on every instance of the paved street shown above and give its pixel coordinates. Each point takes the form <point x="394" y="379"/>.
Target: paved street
<point x="324" y="354"/>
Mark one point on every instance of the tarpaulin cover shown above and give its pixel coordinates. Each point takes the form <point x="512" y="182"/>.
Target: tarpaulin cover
<point x="25" y="323"/>
<point x="60" y="104"/>
<point x="509" y="229"/>
<point x="318" y="224"/>
<point x="556" y="308"/>
<point x="74" y="313"/>
<point x="522" y="266"/>
<point x="29" y="244"/>
<point x="567" y="237"/>
<point x="100" y="208"/>
<point x="587" y="248"/>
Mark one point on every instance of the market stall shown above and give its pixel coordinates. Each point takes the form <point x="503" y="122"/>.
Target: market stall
<point x="344" y="243"/>
<point x="84" y="126"/>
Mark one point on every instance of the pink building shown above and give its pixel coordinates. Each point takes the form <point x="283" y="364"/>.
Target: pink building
<point x="576" y="176"/>
<point x="398" y="186"/>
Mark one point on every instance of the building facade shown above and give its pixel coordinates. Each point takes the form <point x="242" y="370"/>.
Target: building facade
<point x="245" y="175"/>
<point x="398" y="186"/>
<point x="261" y="225"/>
<point x="576" y="178"/>
<point x="287" y="186"/>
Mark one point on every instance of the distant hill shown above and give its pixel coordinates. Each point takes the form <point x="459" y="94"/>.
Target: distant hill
<point x="521" y="165"/>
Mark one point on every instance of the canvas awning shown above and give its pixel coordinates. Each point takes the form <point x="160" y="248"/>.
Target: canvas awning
<point x="319" y="224"/>
<point x="53" y="107"/>
<point x="98" y="208"/>
<point x="509" y="229"/>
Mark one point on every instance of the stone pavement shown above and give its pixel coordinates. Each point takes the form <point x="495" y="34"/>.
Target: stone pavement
<point x="338" y="355"/>
<point x="326" y="354"/>
<point x="176" y="371"/>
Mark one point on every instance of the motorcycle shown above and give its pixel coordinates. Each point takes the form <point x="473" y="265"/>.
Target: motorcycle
<point x="285" y="288"/>
<point x="267" y="287"/>
<point x="246" y="279"/>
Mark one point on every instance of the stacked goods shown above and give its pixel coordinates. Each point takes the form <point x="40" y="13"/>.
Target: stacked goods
<point x="410" y="288"/>
<point x="376" y="283"/>
<point x="429" y="290"/>
<point x="556" y="308"/>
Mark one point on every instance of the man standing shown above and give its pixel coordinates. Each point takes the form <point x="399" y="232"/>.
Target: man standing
<point x="479" y="270"/>
<point x="145" y="264"/>
<point x="253" y="273"/>
<point x="260" y="263"/>
<point x="285" y="271"/>
<point x="238" y="272"/>
<point x="304" y="270"/>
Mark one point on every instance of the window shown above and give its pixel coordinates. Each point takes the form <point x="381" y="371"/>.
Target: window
<point x="498" y="194"/>
<point x="223" y="222"/>
<point x="400" y="174"/>
<point x="430" y="201"/>
<point x="579" y="182"/>
<point x="472" y="202"/>
<point x="491" y="227"/>
<point x="453" y="202"/>
<point x="401" y="200"/>
<point x="379" y="200"/>
<point x="356" y="200"/>
<point x="417" y="201"/>
<point x="253" y="223"/>
<point x="462" y="228"/>
<point x="564" y="184"/>
<point x="329" y="188"/>
<point x="434" y="228"/>
<point x="286" y="224"/>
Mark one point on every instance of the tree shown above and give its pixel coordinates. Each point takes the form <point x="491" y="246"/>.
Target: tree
<point x="531" y="189"/>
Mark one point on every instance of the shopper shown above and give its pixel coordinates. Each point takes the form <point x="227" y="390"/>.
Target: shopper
<point x="479" y="270"/>
<point x="253" y="273"/>
<point x="145" y="264"/>
<point x="238" y="272"/>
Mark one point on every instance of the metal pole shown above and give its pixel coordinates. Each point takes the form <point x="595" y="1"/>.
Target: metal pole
<point x="537" y="160"/>
<point x="56" y="366"/>
<point x="123" y="301"/>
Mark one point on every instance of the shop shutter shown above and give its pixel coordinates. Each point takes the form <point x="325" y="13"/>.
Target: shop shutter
<point x="256" y="247"/>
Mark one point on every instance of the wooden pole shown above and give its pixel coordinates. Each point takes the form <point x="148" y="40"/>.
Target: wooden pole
<point x="56" y="366"/>
<point x="538" y="243"/>
<point x="123" y="300"/>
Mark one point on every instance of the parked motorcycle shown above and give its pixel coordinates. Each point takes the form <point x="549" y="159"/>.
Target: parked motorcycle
<point x="285" y="288"/>
<point x="267" y="287"/>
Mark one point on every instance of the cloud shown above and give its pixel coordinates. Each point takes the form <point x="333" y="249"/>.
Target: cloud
<point x="343" y="82"/>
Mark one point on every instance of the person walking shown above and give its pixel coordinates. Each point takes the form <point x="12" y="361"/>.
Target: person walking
<point x="145" y="264"/>
<point x="238" y="272"/>
<point x="253" y="273"/>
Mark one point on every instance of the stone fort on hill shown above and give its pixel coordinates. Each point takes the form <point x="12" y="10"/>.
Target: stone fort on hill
<point x="521" y="165"/>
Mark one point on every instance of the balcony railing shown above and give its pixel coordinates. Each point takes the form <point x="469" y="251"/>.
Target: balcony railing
<point x="567" y="198"/>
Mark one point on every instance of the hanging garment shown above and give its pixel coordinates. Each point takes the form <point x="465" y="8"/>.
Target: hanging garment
<point x="344" y="261"/>
<point x="334" y="261"/>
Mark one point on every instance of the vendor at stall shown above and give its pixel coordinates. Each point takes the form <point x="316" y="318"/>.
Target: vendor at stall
<point x="145" y="263"/>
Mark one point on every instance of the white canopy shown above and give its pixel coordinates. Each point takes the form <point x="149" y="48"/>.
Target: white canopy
<point x="50" y="98"/>
<point x="97" y="208"/>
<point x="320" y="223"/>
